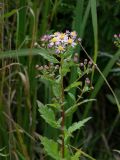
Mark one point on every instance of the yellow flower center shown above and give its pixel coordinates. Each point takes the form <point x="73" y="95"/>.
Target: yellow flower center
<point x="70" y="40"/>
<point x="60" y="48"/>
<point x="62" y="36"/>
<point x="73" y="33"/>
<point x="54" y="40"/>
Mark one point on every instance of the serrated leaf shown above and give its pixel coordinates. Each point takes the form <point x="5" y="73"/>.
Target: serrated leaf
<point x="54" y="105"/>
<point x="51" y="147"/>
<point x="77" y="125"/>
<point x="73" y="85"/>
<point x="48" y="115"/>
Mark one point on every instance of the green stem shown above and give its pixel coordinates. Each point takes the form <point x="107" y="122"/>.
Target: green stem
<point x="62" y="113"/>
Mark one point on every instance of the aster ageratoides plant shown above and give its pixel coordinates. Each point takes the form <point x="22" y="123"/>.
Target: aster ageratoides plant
<point x="59" y="53"/>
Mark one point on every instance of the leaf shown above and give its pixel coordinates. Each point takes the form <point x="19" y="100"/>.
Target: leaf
<point x="73" y="108"/>
<point x="73" y="85"/>
<point x="79" y="71"/>
<point x="80" y="152"/>
<point x="55" y="105"/>
<point x="76" y="156"/>
<point x="28" y="51"/>
<point x="86" y="89"/>
<point x="3" y="155"/>
<point x="46" y="55"/>
<point x="21" y="156"/>
<point x="56" y="89"/>
<point x="9" y="14"/>
<point x="77" y="125"/>
<point x="95" y="28"/>
<point x="2" y="149"/>
<point x="51" y="147"/>
<point x="48" y="115"/>
<point x="72" y="96"/>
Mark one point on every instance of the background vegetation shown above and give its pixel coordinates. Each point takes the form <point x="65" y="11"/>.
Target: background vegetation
<point x="22" y="23"/>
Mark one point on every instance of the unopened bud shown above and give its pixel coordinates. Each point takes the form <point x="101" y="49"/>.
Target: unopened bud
<point x="85" y="61"/>
<point x="40" y="68"/>
<point x="75" y="59"/>
<point x="87" y="81"/>
<point x="57" y="67"/>
<point x="90" y="63"/>
<point x="81" y="64"/>
<point x="92" y="87"/>
<point x="76" y="54"/>
<point x="43" y="45"/>
<point x="37" y="66"/>
<point x="35" y="44"/>
<point x="46" y="67"/>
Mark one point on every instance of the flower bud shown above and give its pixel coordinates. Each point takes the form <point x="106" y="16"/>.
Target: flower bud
<point x="81" y="64"/>
<point x="40" y="68"/>
<point x="87" y="81"/>
<point x="46" y="67"/>
<point x="57" y="67"/>
<point x="85" y="61"/>
<point x="37" y="66"/>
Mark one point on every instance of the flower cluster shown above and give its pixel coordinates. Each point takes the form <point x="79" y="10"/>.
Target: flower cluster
<point x="61" y="41"/>
<point x="117" y="40"/>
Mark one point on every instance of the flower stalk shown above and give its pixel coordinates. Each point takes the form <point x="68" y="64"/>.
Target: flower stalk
<point x="62" y="113"/>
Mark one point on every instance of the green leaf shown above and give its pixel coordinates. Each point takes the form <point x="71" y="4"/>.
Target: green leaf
<point x="77" y="125"/>
<point x="21" y="156"/>
<point x="95" y="28"/>
<point x="73" y="108"/>
<point x="27" y="52"/>
<point x="51" y="147"/>
<point x="46" y="55"/>
<point x="55" y="105"/>
<point x="56" y="89"/>
<point x="3" y="155"/>
<point x="73" y="85"/>
<point x="86" y="89"/>
<point x="2" y="149"/>
<point x="79" y="71"/>
<point x="48" y="115"/>
<point x="76" y="156"/>
<point x="9" y="14"/>
<point x="67" y="63"/>
<point x="72" y="96"/>
<point x="79" y="153"/>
